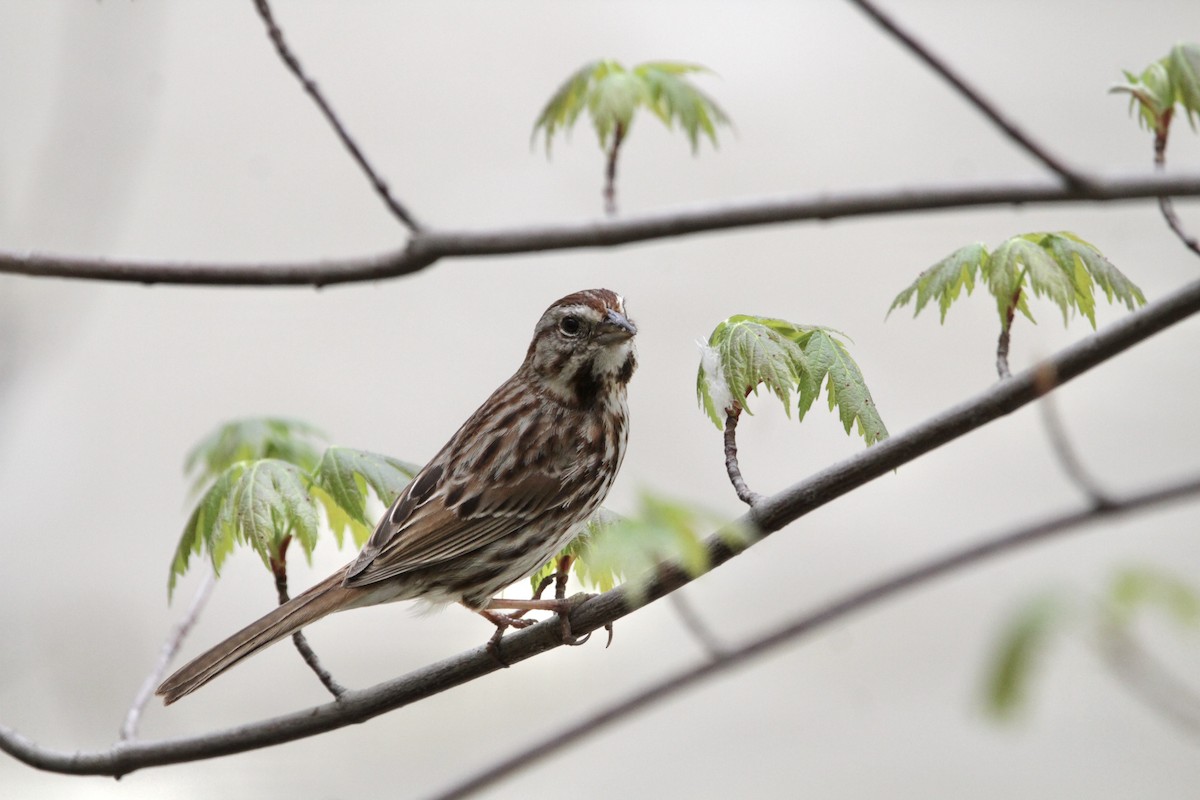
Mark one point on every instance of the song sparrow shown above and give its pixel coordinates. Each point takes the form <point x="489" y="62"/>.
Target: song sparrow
<point x="500" y="498"/>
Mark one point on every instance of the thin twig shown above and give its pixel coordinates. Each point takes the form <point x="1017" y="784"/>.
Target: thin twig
<point x="1165" y="205"/>
<point x="293" y="64"/>
<point x="610" y="171"/>
<point x="1150" y="681"/>
<point x="696" y="625"/>
<point x="809" y="622"/>
<point x="1060" y="443"/>
<point x="772" y="514"/>
<point x="971" y="94"/>
<point x="744" y="493"/>
<point x="279" y="570"/>
<point x="169" y="650"/>
<point x="427" y="247"/>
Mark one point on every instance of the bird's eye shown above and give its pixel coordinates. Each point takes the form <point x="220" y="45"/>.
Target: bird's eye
<point x="570" y="326"/>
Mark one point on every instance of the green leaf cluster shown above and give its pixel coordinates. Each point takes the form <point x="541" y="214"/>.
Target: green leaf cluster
<point x="266" y="479"/>
<point x="1174" y="78"/>
<point x="612" y="94"/>
<point x="745" y="353"/>
<point x="1033" y="628"/>
<point x="612" y="550"/>
<point x="1059" y="266"/>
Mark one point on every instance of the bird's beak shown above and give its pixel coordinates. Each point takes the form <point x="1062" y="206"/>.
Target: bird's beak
<point x="615" y="324"/>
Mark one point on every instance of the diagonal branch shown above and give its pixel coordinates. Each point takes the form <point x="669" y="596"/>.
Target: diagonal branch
<point x="767" y="516"/>
<point x="293" y="64"/>
<point x="971" y="94"/>
<point x="170" y="648"/>
<point x="426" y="247"/>
<point x="811" y="621"/>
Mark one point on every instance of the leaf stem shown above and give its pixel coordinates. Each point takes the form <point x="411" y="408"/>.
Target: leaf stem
<point x="744" y="493"/>
<point x="1002" y="343"/>
<point x="279" y="570"/>
<point x="610" y="171"/>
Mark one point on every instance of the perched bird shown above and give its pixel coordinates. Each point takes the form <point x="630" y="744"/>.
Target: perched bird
<point x="497" y="501"/>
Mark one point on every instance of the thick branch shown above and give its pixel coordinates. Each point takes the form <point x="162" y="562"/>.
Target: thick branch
<point x="971" y="94"/>
<point x="811" y="621"/>
<point x="293" y="64"/>
<point x="426" y="247"/>
<point x="769" y="515"/>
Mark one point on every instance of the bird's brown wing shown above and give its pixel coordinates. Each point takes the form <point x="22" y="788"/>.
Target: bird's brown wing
<point x="420" y="530"/>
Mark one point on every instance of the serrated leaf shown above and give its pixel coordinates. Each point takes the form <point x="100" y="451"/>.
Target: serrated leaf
<point x="746" y="352"/>
<point x="343" y="476"/>
<point x="1183" y="66"/>
<point x="612" y="94"/>
<point x="945" y="280"/>
<point x="844" y="384"/>
<point x="612" y="550"/>
<point x="249" y="439"/>
<point x="206" y="528"/>
<point x="269" y="502"/>
<point x="1020" y="648"/>
<point x="1136" y="588"/>
<point x="1070" y="249"/>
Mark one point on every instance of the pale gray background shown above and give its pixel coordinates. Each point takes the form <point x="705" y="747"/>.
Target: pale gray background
<point x="171" y="131"/>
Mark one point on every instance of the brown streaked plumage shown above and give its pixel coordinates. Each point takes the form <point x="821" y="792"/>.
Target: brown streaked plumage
<point x="499" y="499"/>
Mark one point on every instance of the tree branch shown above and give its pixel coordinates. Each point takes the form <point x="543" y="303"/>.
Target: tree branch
<point x="744" y="492"/>
<point x="812" y="621"/>
<point x="1060" y="443"/>
<point x="293" y="64"/>
<point x="769" y="515"/>
<point x="169" y="650"/>
<point x="971" y="94"/>
<point x="279" y="571"/>
<point x="426" y="247"/>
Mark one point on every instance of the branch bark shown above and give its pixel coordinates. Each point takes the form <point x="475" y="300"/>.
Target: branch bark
<point x="769" y="515"/>
<point x="426" y="247"/>
<point x="971" y="94"/>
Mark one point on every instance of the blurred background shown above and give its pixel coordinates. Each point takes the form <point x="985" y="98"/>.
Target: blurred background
<point x="171" y="131"/>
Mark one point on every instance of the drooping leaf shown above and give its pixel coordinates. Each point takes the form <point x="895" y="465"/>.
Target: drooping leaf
<point x="612" y="94"/>
<point x="828" y="358"/>
<point x="1183" y="65"/>
<point x="945" y="280"/>
<point x="614" y="550"/>
<point x="747" y="352"/>
<point x="252" y="438"/>
<point x="1137" y="588"/>
<point x="1059" y="266"/>
<point x="207" y="528"/>
<point x="342" y="478"/>
<point x="1173" y="79"/>
<point x="1020" y="648"/>
<point x="269" y="502"/>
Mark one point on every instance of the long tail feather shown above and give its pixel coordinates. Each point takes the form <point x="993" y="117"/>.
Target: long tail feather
<point x="325" y="598"/>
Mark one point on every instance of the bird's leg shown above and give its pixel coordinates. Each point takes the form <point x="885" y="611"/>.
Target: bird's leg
<point x="502" y="623"/>
<point x="560" y="606"/>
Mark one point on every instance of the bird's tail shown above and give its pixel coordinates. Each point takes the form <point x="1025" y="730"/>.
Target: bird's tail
<point x="326" y="597"/>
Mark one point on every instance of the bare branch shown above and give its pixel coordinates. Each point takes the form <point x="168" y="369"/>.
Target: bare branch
<point x="279" y="571"/>
<point x="426" y="247"/>
<point x="1176" y="225"/>
<point x="696" y="625"/>
<point x="1068" y="459"/>
<point x="293" y="64"/>
<point x="771" y="514"/>
<point x="971" y="94"/>
<point x="812" y="621"/>
<point x="169" y="650"/>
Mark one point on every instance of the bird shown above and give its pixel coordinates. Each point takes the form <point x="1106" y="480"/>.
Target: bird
<point x="505" y="494"/>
